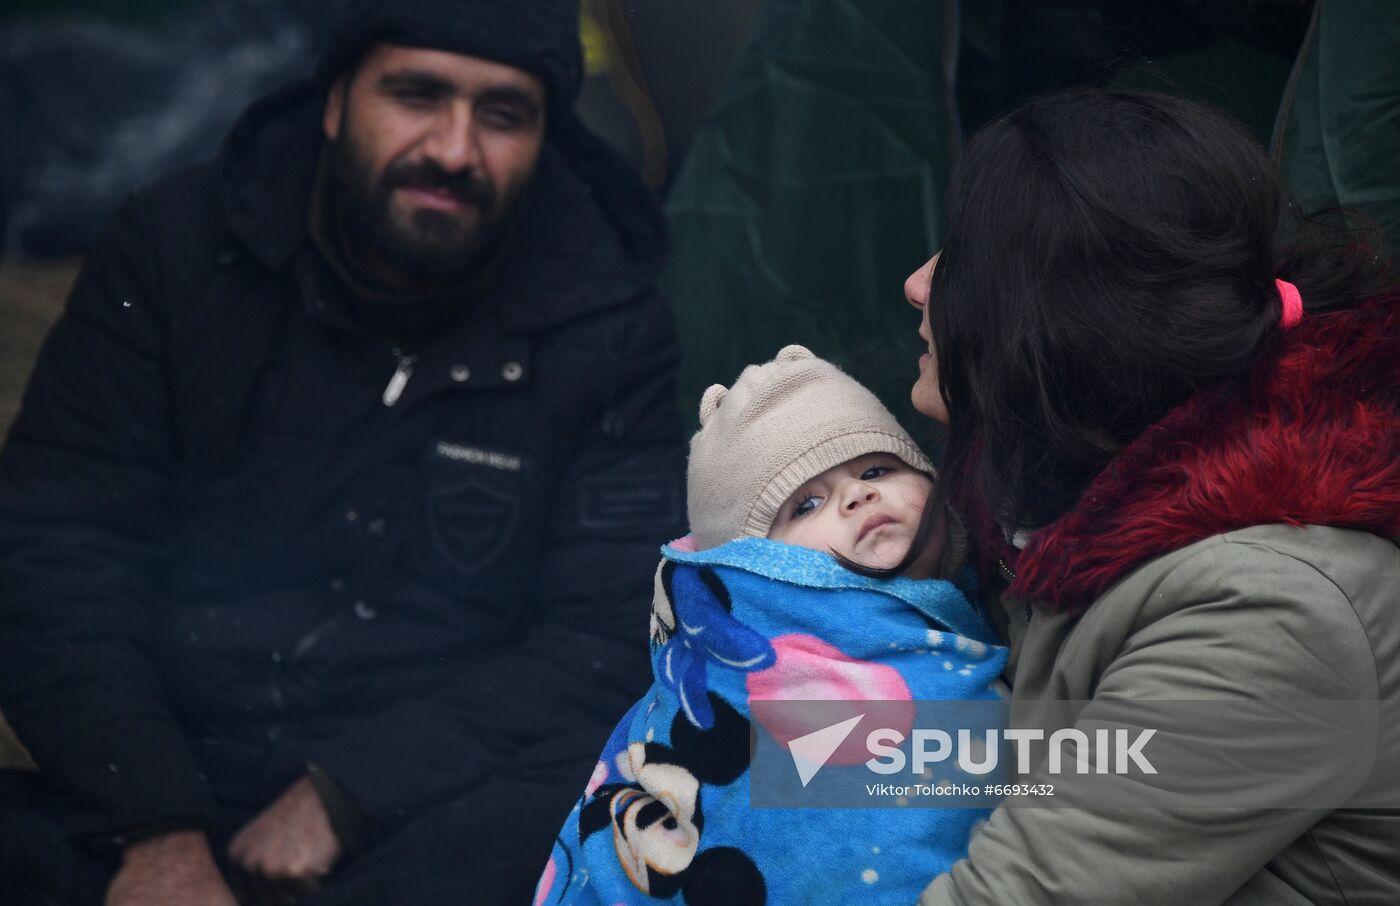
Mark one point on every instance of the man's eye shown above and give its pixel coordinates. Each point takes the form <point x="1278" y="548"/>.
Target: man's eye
<point x="806" y="505"/>
<point x="415" y="98"/>
<point x="504" y="117"/>
<point x="875" y="472"/>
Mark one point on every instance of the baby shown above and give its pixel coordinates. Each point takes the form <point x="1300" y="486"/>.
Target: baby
<point x="866" y="510"/>
<point x="796" y="469"/>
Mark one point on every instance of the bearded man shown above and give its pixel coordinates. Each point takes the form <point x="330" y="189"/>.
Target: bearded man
<point x="327" y="527"/>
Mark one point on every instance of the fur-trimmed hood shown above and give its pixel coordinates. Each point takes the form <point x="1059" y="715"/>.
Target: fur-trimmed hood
<point x="1310" y="436"/>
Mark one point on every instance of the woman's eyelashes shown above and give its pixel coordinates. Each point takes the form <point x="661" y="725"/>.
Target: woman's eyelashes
<point x="875" y="472"/>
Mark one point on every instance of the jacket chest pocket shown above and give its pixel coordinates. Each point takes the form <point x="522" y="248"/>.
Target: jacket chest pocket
<point x="477" y="507"/>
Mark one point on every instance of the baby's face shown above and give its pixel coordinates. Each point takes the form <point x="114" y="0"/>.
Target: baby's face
<point x="866" y="509"/>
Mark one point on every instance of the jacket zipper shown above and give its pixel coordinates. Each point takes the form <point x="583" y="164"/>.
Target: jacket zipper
<point x="1010" y="576"/>
<point x="399" y="379"/>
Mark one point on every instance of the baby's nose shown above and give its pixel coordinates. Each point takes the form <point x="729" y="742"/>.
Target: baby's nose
<point x="864" y="493"/>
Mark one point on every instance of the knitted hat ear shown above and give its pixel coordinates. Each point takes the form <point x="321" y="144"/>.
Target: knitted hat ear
<point x="714" y="395"/>
<point x="793" y="353"/>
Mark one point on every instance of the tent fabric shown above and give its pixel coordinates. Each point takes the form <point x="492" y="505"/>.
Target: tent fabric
<point x="1338" y="140"/>
<point x="814" y="187"/>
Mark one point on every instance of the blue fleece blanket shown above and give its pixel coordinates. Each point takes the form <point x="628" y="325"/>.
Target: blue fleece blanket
<point x="666" y="815"/>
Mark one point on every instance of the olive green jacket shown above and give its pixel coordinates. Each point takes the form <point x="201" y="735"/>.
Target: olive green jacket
<point x="1240" y="549"/>
<point x="1266" y="612"/>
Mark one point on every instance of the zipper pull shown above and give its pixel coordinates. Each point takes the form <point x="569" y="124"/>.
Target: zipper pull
<point x="399" y="379"/>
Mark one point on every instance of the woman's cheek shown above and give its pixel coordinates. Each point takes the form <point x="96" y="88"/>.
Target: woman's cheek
<point x="926" y="395"/>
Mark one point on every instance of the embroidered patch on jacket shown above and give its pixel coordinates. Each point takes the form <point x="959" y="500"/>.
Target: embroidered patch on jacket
<point x="478" y="457"/>
<point x="627" y="502"/>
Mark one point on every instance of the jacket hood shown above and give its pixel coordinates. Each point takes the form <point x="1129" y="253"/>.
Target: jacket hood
<point x="591" y="235"/>
<point x="1310" y="436"/>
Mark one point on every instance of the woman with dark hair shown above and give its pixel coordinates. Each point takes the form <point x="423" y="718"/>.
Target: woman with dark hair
<point x="1173" y="415"/>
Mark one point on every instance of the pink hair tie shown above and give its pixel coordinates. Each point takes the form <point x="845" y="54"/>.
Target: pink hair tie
<point x="1292" y="303"/>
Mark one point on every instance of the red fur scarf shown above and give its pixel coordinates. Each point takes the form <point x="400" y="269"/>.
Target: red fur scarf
<point x="1310" y="436"/>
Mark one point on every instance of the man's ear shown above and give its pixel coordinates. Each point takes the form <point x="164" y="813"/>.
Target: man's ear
<point x="335" y="108"/>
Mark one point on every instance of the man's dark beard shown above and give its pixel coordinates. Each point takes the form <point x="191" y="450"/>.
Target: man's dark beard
<point x="433" y="247"/>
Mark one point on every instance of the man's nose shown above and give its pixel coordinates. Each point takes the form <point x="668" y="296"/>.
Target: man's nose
<point x="452" y="141"/>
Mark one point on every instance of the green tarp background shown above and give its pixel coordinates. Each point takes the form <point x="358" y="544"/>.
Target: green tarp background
<point x="1341" y="135"/>
<point x="817" y="182"/>
<point x="813" y="189"/>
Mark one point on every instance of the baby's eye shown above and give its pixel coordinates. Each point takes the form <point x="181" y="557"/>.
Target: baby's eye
<point x="805" y="505"/>
<point x="875" y="472"/>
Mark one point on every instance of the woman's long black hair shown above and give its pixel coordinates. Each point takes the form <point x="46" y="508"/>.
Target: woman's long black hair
<point x="1109" y="253"/>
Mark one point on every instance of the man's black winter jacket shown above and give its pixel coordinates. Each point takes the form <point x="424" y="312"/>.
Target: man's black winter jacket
<point x="224" y="554"/>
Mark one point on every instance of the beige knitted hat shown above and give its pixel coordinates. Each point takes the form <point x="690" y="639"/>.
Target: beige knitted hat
<point x="782" y="423"/>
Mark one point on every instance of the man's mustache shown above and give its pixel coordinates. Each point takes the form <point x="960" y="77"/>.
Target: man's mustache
<point x="425" y="174"/>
